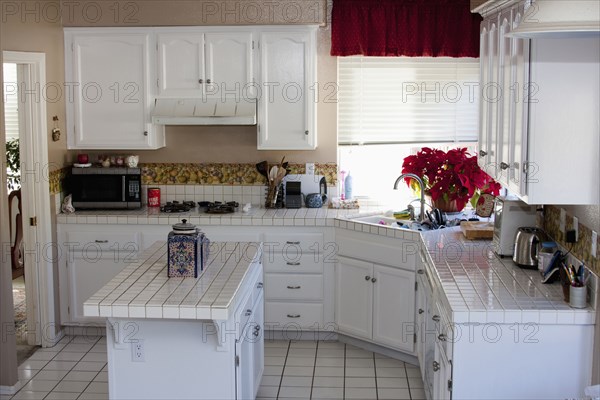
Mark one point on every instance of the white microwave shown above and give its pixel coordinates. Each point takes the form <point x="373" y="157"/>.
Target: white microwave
<point x="510" y="214"/>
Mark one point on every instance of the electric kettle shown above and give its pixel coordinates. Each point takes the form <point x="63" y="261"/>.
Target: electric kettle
<point x="526" y="247"/>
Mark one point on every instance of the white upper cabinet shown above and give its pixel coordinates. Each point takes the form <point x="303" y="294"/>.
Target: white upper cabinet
<point x="212" y="64"/>
<point x="287" y="107"/>
<point x="110" y="72"/>
<point x="539" y="115"/>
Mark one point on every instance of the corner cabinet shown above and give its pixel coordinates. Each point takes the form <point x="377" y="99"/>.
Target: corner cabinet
<point x="287" y="106"/>
<point x="108" y="74"/>
<point x="375" y="289"/>
<point x="538" y="125"/>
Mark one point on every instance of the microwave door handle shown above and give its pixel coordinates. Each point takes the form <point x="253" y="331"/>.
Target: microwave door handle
<point x="123" y="187"/>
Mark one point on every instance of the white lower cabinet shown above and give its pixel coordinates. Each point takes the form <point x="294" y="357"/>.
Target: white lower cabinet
<point x="375" y="302"/>
<point x="250" y="352"/>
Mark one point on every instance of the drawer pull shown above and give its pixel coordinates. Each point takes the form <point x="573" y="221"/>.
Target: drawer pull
<point x="442" y="337"/>
<point x="259" y="285"/>
<point x="248" y="313"/>
<point x="290" y="242"/>
<point x="101" y="241"/>
<point x="293" y="287"/>
<point x="293" y="263"/>
<point x="293" y="315"/>
<point x="420" y="272"/>
<point x="436" y="318"/>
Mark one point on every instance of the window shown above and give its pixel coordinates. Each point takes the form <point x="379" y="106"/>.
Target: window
<point x="11" y="112"/>
<point x="390" y="107"/>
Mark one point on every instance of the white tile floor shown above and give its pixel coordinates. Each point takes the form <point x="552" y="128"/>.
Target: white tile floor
<point x="76" y="369"/>
<point x="333" y="370"/>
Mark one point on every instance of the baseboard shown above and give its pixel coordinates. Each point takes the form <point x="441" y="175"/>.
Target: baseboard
<point x="300" y="335"/>
<point x="10" y="390"/>
<point x="87" y="330"/>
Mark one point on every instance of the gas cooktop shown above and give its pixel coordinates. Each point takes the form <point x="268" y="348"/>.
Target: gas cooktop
<point x="178" y="207"/>
<point x="218" y="207"/>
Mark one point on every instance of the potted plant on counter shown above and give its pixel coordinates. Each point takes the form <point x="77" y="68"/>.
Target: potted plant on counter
<point x="451" y="178"/>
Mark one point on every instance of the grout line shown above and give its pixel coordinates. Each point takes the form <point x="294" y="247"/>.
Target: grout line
<point x="375" y="373"/>
<point x="283" y="369"/>
<point x="312" y="382"/>
<point x="344" y="380"/>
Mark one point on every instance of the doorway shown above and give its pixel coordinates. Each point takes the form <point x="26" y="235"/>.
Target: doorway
<point x="23" y="82"/>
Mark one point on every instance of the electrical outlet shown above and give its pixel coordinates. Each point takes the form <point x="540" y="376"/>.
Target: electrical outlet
<point x="563" y="220"/>
<point x="138" y="353"/>
<point x="576" y="227"/>
<point x="594" y="243"/>
<point x="310" y="168"/>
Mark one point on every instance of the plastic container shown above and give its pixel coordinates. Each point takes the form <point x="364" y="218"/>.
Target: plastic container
<point x="348" y="187"/>
<point x="578" y="296"/>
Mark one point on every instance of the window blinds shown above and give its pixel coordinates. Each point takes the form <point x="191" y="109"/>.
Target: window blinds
<point x="407" y="99"/>
<point x="11" y="111"/>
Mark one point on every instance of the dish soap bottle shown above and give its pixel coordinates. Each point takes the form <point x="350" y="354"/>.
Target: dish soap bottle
<point x="348" y="187"/>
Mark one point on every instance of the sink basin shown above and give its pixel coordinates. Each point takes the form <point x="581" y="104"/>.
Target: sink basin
<point x="383" y="220"/>
<point x="377" y="220"/>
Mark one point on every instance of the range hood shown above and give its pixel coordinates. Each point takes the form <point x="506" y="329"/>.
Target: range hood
<point x="559" y="18"/>
<point x="203" y="112"/>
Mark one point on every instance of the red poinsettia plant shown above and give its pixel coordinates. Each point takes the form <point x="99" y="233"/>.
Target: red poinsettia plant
<point x="452" y="176"/>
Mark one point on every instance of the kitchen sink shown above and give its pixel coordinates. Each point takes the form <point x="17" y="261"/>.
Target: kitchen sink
<point x="377" y="220"/>
<point x="384" y="220"/>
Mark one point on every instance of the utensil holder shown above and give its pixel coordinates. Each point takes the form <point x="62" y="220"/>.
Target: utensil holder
<point x="578" y="296"/>
<point x="274" y="198"/>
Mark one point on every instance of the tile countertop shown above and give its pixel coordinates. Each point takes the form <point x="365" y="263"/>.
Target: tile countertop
<point x="256" y="216"/>
<point x="143" y="290"/>
<point x="480" y="287"/>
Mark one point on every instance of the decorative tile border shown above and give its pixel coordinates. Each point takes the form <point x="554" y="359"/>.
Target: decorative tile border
<point x="220" y="174"/>
<point x="56" y="179"/>
<point x="582" y="248"/>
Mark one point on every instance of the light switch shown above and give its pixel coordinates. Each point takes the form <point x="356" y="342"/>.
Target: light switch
<point x="576" y="227"/>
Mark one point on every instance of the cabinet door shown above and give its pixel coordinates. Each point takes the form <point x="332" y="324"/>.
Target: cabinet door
<point x="287" y="106"/>
<point x="88" y="273"/>
<point x="110" y="109"/>
<point x="229" y="65"/>
<point x="421" y="306"/>
<point x="492" y="94"/>
<point x="354" y="297"/>
<point x="520" y="103"/>
<point x="442" y="387"/>
<point x="258" y="346"/>
<point x="484" y="104"/>
<point x="181" y="66"/>
<point x="505" y="102"/>
<point x="394" y="307"/>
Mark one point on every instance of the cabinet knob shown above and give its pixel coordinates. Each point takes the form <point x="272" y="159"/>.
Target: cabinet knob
<point x="436" y="318"/>
<point x="442" y="337"/>
<point x="367" y="278"/>
<point x="421" y="311"/>
<point x="248" y="313"/>
<point x="306" y="133"/>
<point x="503" y="166"/>
<point x="208" y="81"/>
<point x="256" y="331"/>
<point x="420" y="272"/>
<point x="436" y="366"/>
<point x="373" y="280"/>
<point x="201" y="81"/>
<point x="259" y="285"/>
<point x="482" y="153"/>
<point x="145" y="133"/>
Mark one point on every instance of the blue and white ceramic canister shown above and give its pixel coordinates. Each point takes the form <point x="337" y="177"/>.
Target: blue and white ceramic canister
<point x="187" y="250"/>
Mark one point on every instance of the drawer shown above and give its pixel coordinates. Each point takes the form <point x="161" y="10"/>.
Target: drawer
<point x="288" y="316"/>
<point x="294" y="287"/>
<point x="290" y="244"/>
<point x="378" y="249"/>
<point x="306" y="263"/>
<point x="109" y="241"/>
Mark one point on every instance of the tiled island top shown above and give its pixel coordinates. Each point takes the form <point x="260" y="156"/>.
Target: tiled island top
<point x="143" y="290"/>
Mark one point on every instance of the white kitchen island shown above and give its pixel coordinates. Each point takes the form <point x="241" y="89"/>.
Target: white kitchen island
<point x="185" y="338"/>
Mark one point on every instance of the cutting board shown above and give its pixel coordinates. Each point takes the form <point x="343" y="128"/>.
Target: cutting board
<point x="477" y="229"/>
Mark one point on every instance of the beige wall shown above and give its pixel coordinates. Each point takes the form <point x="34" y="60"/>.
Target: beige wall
<point x="40" y="31"/>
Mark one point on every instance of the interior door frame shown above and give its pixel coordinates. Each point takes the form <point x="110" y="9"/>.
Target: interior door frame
<point x="35" y="183"/>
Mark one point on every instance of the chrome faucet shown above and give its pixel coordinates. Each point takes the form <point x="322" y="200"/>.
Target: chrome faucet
<point x="421" y="186"/>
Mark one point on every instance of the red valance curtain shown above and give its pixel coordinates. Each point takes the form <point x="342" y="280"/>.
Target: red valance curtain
<point x="414" y="28"/>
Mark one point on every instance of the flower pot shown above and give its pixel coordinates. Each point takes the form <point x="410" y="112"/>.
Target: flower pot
<point x="445" y="206"/>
